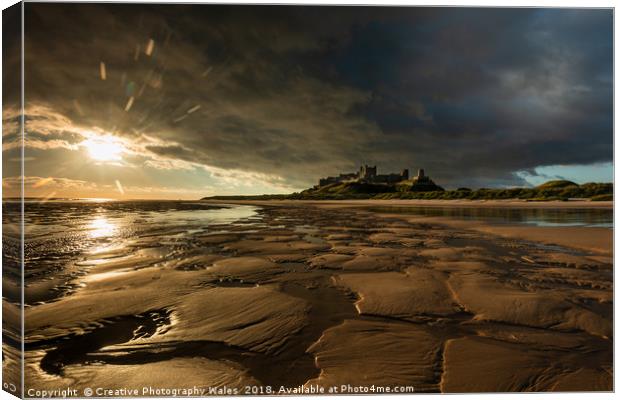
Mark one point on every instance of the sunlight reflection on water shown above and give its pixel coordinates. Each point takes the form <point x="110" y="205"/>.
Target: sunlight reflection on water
<point x="62" y="233"/>
<point x="100" y="227"/>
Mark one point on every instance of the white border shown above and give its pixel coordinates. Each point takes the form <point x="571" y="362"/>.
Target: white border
<point x="478" y="3"/>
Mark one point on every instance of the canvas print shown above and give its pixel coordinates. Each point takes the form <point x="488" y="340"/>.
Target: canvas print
<point x="205" y="200"/>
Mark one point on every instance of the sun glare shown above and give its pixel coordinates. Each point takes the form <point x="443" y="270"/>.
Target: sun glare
<point x="104" y="148"/>
<point x="100" y="227"/>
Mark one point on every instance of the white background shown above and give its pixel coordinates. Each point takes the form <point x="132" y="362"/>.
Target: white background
<point x="505" y="3"/>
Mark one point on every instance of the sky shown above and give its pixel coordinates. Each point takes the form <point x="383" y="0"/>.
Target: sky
<point x="186" y="101"/>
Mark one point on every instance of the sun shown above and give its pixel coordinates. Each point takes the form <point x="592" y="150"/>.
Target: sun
<point x="104" y="148"/>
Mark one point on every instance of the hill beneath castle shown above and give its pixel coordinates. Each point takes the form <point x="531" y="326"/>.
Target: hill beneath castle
<point x="351" y="190"/>
<point x="428" y="190"/>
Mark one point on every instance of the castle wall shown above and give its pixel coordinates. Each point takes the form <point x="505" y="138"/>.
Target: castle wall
<point x="389" y="178"/>
<point x="368" y="174"/>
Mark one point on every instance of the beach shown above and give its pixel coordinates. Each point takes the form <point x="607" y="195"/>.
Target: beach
<point x="294" y="295"/>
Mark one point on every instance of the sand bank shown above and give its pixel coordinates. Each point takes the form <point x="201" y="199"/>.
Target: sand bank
<point x="599" y="240"/>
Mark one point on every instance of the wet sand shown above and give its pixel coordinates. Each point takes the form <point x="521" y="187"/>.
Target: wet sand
<point x="329" y="294"/>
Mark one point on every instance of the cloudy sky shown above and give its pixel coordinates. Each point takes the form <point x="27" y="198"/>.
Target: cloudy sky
<point x="184" y="101"/>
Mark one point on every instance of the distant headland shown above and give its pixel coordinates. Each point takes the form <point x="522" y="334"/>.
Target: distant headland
<point x="366" y="183"/>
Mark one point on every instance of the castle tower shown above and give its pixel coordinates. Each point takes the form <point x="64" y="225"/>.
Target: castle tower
<point x="362" y="173"/>
<point x="367" y="172"/>
<point x="404" y="174"/>
<point x="421" y="173"/>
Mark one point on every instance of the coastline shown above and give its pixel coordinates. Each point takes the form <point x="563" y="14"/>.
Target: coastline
<point x="511" y="203"/>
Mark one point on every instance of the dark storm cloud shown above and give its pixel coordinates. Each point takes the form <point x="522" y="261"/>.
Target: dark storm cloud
<point x="472" y="95"/>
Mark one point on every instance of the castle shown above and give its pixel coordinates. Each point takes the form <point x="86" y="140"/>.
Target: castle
<point x="368" y="174"/>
